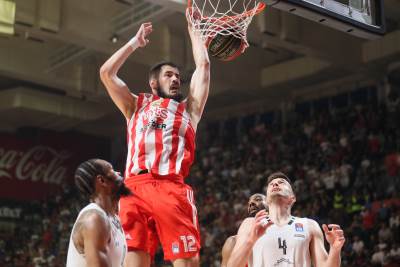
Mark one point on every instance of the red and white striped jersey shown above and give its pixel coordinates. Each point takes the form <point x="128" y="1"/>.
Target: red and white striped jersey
<point x="161" y="138"/>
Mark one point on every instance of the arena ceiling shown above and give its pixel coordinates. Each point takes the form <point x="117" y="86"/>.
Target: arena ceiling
<point x="49" y="65"/>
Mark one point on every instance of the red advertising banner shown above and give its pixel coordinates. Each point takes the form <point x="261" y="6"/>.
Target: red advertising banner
<point x="33" y="167"/>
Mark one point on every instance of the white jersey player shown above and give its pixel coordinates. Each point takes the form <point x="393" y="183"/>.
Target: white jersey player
<point x="279" y="239"/>
<point x="256" y="203"/>
<point x="97" y="238"/>
<point x="116" y="245"/>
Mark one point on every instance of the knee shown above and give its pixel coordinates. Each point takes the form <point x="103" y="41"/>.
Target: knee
<point x="189" y="262"/>
<point x="195" y="261"/>
<point x="137" y="259"/>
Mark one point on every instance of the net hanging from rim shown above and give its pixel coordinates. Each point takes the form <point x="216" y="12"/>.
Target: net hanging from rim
<point x="224" y="17"/>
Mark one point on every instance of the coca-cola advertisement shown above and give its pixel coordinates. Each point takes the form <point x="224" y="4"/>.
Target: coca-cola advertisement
<point x="33" y="166"/>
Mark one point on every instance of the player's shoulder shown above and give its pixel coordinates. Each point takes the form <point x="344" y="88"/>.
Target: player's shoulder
<point x="93" y="218"/>
<point x="305" y="220"/>
<point x="230" y="240"/>
<point x="311" y="221"/>
<point x="313" y="225"/>
<point x="229" y="244"/>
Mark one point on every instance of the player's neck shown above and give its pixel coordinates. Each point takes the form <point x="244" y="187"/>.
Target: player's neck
<point x="107" y="203"/>
<point x="279" y="213"/>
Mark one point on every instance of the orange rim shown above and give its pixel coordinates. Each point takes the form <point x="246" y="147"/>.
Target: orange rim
<point x="260" y="7"/>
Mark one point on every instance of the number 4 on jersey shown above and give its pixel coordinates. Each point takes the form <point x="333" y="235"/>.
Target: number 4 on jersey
<point x="282" y="245"/>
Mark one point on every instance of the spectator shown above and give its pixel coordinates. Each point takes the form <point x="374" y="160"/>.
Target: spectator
<point x="384" y="233"/>
<point x="358" y="245"/>
<point x="379" y="256"/>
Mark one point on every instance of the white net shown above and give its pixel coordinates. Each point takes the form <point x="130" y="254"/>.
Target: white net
<point x="225" y="17"/>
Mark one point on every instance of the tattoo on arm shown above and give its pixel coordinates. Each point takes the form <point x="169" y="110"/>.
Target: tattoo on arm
<point x="77" y="237"/>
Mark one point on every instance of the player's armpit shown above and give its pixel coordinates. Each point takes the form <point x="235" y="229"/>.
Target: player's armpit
<point x="96" y="235"/>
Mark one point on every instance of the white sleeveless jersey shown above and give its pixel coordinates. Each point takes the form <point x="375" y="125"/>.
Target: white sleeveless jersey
<point x="117" y="245"/>
<point x="283" y="246"/>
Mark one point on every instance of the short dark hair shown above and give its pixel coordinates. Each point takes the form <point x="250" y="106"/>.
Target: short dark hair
<point x="85" y="176"/>
<point x="276" y="175"/>
<point x="155" y="70"/>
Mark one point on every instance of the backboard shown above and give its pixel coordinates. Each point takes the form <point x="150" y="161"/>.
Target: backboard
<point x="362" y="18"/>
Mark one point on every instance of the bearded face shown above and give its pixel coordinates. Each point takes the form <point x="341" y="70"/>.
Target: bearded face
<point x="168" y="84"/>
<point x="121" y="190"/>
<point x="256" y="203"/>
<point x="117" y="187"/>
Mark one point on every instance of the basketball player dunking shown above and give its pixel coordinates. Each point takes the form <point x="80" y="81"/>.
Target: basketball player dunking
<point x="255" y="204"/>
<point x="161" y="128"/>
<point x="97" y="238"/>
<point x="279" y="239"/>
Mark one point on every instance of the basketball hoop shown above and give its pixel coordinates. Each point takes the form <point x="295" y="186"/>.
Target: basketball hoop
<point x="222" y="17"/>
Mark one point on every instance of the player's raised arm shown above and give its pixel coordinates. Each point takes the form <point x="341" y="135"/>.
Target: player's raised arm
<point x="335" y="238"/>
<point x="200" y="83"/>
<point x="249" y="232"/>
<point x="95" y="235"/>
<point x="116" y="88"/>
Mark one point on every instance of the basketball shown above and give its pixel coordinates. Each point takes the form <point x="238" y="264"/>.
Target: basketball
<point x="225" y="47"/>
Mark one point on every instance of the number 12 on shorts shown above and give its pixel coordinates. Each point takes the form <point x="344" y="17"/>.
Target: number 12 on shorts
<point x="189" y="243"/>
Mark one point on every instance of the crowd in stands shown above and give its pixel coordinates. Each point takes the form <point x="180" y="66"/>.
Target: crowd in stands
<point x="344" y="164"/>
<point x="42" y="236"/>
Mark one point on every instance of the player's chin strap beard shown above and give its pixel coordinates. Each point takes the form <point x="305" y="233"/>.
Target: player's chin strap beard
<point x="123" y="191"/>
<point x="177" y="97"/>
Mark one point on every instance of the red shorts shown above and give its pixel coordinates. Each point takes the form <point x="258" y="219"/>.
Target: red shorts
<point x="160" y="210"/>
